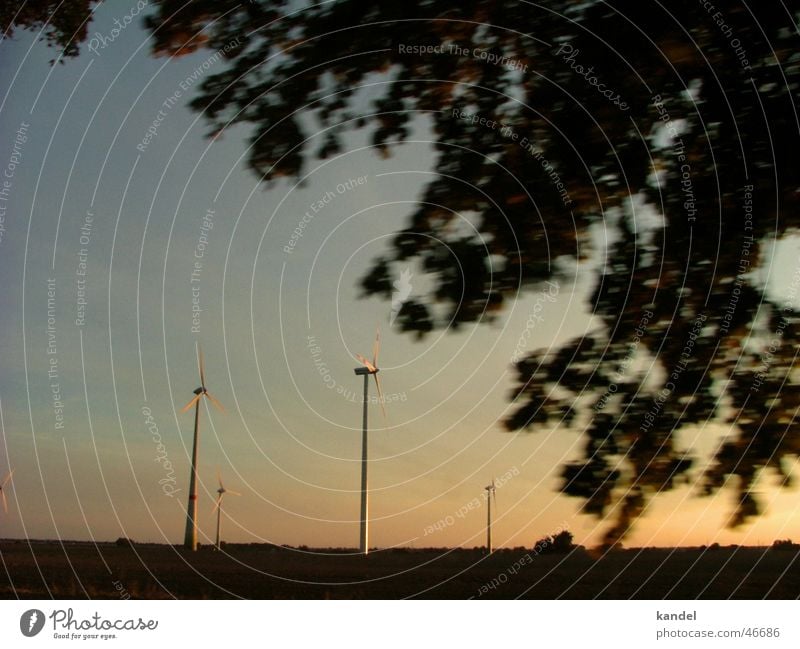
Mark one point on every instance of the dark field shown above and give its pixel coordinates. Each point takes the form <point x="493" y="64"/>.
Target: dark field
<point x="108" y="571"/>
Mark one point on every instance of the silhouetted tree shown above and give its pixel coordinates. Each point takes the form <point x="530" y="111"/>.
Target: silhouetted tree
<point x="695" y="118"/>
<point x="560" y="543"/>
<point x="62" y="23"/>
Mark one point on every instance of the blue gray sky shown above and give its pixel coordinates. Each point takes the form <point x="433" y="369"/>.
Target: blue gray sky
<point x="112" y="233"/>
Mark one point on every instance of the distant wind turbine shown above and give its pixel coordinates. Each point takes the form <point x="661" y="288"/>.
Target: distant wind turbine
<point x="3" y="484"/>
<point x="218" y="505"/>
<point x="491" y="492"/>
<point x="190" y="538"/>
<point x="368" y="368"/>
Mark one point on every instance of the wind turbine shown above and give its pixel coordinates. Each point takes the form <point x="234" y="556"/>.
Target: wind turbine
<point x="368" y="368"/>
<point x="218" y="505"/>
<point x="190" y="538"/>
<point x="491" y="492"/>
<point x="3" y="484"/>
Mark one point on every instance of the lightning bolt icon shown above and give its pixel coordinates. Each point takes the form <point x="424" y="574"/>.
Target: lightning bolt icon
<point x="32" y="621"/>
<point x="401" y="293"/>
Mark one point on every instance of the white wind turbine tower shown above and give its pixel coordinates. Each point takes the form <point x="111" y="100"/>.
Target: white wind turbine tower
<point x="3" y="484"/>
<point x="491" y="493"/>
<point x="190" y="538"/>
<point x="218" y="505"/>
<point x="369" y="368"/>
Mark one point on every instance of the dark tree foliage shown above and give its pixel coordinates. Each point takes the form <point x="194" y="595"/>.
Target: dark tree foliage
<point x="696" y="118"/>
<point x="785" y="544"/>
<point x="63" y="23"/>
<point x="560" y="543"/>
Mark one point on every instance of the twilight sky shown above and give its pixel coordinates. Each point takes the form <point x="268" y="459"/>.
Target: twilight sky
<point x="113" y="233"/>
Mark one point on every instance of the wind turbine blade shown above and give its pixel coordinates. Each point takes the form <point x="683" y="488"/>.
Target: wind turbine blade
<point x="5" y="502"/>
<point x="201" y="365"/>
<point x="219" y="479"/>
<point x="365" y="363"/>
<point x="380" y="394"/>
<point x="217" y="504"/>
<point x="230" y="491"/>
<point x="191" y="403"/>
<point x="376" y="347"/>
<point x="216" y="403"/>
<point x="7" y="479"/>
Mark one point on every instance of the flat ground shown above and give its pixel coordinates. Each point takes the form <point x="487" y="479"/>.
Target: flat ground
<point x="106" y="571"/>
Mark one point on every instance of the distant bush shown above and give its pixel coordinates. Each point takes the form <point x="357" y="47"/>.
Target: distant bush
<point x="785" y="544"/>
<point x="123" y="542"/>
<point x="560" y="543"/>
